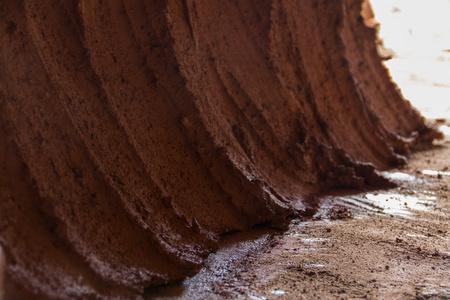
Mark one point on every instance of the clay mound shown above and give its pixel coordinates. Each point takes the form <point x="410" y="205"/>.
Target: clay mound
<point x="135" y="133"/>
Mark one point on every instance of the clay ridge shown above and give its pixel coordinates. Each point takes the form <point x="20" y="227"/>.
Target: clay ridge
<point x="135" y="133"/>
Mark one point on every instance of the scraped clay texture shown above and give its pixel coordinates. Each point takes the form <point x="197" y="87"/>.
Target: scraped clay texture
<point x="134" y="133"/>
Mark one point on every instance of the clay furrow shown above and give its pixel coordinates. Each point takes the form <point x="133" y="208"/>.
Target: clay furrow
<point x="90" y="124"/>
<point x="179" y="182"/>
<point x="136" y="133"/>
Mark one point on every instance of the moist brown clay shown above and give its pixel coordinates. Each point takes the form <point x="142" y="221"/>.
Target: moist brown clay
<point x="135" y="133"/>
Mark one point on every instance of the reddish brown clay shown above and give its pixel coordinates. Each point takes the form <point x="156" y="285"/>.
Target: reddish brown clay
<point x="134" y="133"/>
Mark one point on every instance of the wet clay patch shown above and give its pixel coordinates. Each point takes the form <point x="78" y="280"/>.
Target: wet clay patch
<point x="395" y="247"/>
<point x="385" y="244"/>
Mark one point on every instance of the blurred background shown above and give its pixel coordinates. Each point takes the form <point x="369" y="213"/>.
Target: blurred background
<point x="416" y="34"/>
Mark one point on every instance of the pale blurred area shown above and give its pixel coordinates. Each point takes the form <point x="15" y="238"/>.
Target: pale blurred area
<point x="416" y="34"/>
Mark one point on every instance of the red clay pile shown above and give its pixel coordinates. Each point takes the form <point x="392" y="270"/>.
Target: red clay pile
<point x="134" y="133"/>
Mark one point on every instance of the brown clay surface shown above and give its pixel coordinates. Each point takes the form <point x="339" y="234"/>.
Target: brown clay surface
<point x="135" y="134"/>
<point x="394" y="249"/>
